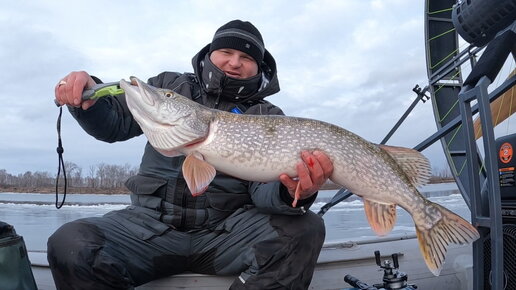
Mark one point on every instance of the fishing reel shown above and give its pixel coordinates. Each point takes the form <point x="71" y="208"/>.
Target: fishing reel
<point x="393" y="279"/>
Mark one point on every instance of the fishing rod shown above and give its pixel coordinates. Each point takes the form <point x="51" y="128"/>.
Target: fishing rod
<point x="343" y="193"/>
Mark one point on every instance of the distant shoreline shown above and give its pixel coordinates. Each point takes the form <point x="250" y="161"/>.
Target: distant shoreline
<point x="70" y="190"/>
<point x="123" y="190"/>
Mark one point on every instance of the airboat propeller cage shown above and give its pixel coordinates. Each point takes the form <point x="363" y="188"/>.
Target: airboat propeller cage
<point x="478" y="21"/>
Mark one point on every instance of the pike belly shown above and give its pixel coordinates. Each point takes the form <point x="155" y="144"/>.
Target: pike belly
<point x="260" y="148"/>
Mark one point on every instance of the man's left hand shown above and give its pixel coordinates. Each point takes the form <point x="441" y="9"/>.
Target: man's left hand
<point x="312" y="173"/>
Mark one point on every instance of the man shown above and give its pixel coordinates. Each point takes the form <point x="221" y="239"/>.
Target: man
<point x="236" y="227"/>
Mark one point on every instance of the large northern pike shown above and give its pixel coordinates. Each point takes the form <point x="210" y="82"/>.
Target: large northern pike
<point x="260" y="148"/>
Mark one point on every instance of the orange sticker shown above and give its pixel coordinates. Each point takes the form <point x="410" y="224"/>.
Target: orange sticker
<point x="505" y="152"/>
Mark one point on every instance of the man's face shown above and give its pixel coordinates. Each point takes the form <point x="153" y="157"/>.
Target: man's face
<point x="234" y="63"/>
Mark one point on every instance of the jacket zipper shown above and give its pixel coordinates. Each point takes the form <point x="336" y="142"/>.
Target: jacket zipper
<point x="184" y="202"/>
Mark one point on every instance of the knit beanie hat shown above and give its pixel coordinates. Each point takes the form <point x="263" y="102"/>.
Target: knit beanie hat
<point x="242" y="36"/>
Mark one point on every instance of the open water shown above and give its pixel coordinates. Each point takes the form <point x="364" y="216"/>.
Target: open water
<point x="35" y="216"/>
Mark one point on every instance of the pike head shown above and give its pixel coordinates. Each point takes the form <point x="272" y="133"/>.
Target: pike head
<point x="170" y="121"/>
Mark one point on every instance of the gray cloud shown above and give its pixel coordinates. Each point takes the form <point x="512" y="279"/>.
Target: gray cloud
<point x="352" y="63"/>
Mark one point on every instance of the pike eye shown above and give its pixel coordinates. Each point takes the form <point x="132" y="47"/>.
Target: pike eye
<point x="168" y="95"/>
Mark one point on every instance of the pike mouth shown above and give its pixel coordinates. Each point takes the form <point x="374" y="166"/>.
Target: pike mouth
<point x="139" y="96"/>
<point x="141" y="103"/>
<point x="138" y="92"/>
<point x="145" y="91"/>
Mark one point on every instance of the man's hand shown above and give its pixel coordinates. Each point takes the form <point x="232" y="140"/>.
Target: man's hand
<point x="69" y="90"/>
<point x="312" y="172"/>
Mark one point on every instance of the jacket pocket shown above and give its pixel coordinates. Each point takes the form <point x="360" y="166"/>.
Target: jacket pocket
<point x="140" y="184"/>
<point x="147" y="191"/>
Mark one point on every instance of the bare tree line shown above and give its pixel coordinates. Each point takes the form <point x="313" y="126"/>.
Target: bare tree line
<point x="104" y="175"/>
<point x="98" y="176"/>
<point x="441" y="174"/>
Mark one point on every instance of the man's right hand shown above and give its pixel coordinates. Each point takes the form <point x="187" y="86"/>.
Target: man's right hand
<point x="69" y="89"/>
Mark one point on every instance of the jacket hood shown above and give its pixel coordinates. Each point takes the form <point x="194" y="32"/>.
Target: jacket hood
<point x="269" y="86"/>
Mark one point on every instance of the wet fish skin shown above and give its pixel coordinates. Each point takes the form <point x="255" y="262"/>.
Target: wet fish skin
<point x="260" y="148"/>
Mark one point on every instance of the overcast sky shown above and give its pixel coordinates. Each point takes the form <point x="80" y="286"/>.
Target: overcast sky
<point x="351" y="63"/>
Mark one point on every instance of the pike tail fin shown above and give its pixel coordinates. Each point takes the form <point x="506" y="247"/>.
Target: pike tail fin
<point x="449" y="229"/>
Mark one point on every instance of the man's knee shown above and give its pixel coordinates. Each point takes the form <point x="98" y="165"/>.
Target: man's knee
<point x="314" y="224"/>
<point x="286" y="262"/>
<point x="308" y="228"/>
<point x="74" y="242"/>
<point x="71" y="252"/>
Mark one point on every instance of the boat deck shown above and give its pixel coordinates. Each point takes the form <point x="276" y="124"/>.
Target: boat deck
<point x="335" y="261"/>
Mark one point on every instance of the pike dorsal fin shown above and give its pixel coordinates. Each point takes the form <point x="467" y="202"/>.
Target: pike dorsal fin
<point x="415" y="165"/>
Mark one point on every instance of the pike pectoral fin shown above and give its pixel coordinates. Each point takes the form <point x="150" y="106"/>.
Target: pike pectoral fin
<point x="197" y="173"/>
<point x="450" y="229"/>
<point x="381" y="216"/>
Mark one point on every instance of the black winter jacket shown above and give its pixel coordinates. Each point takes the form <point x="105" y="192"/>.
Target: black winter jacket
<point x="160" y="185"/>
